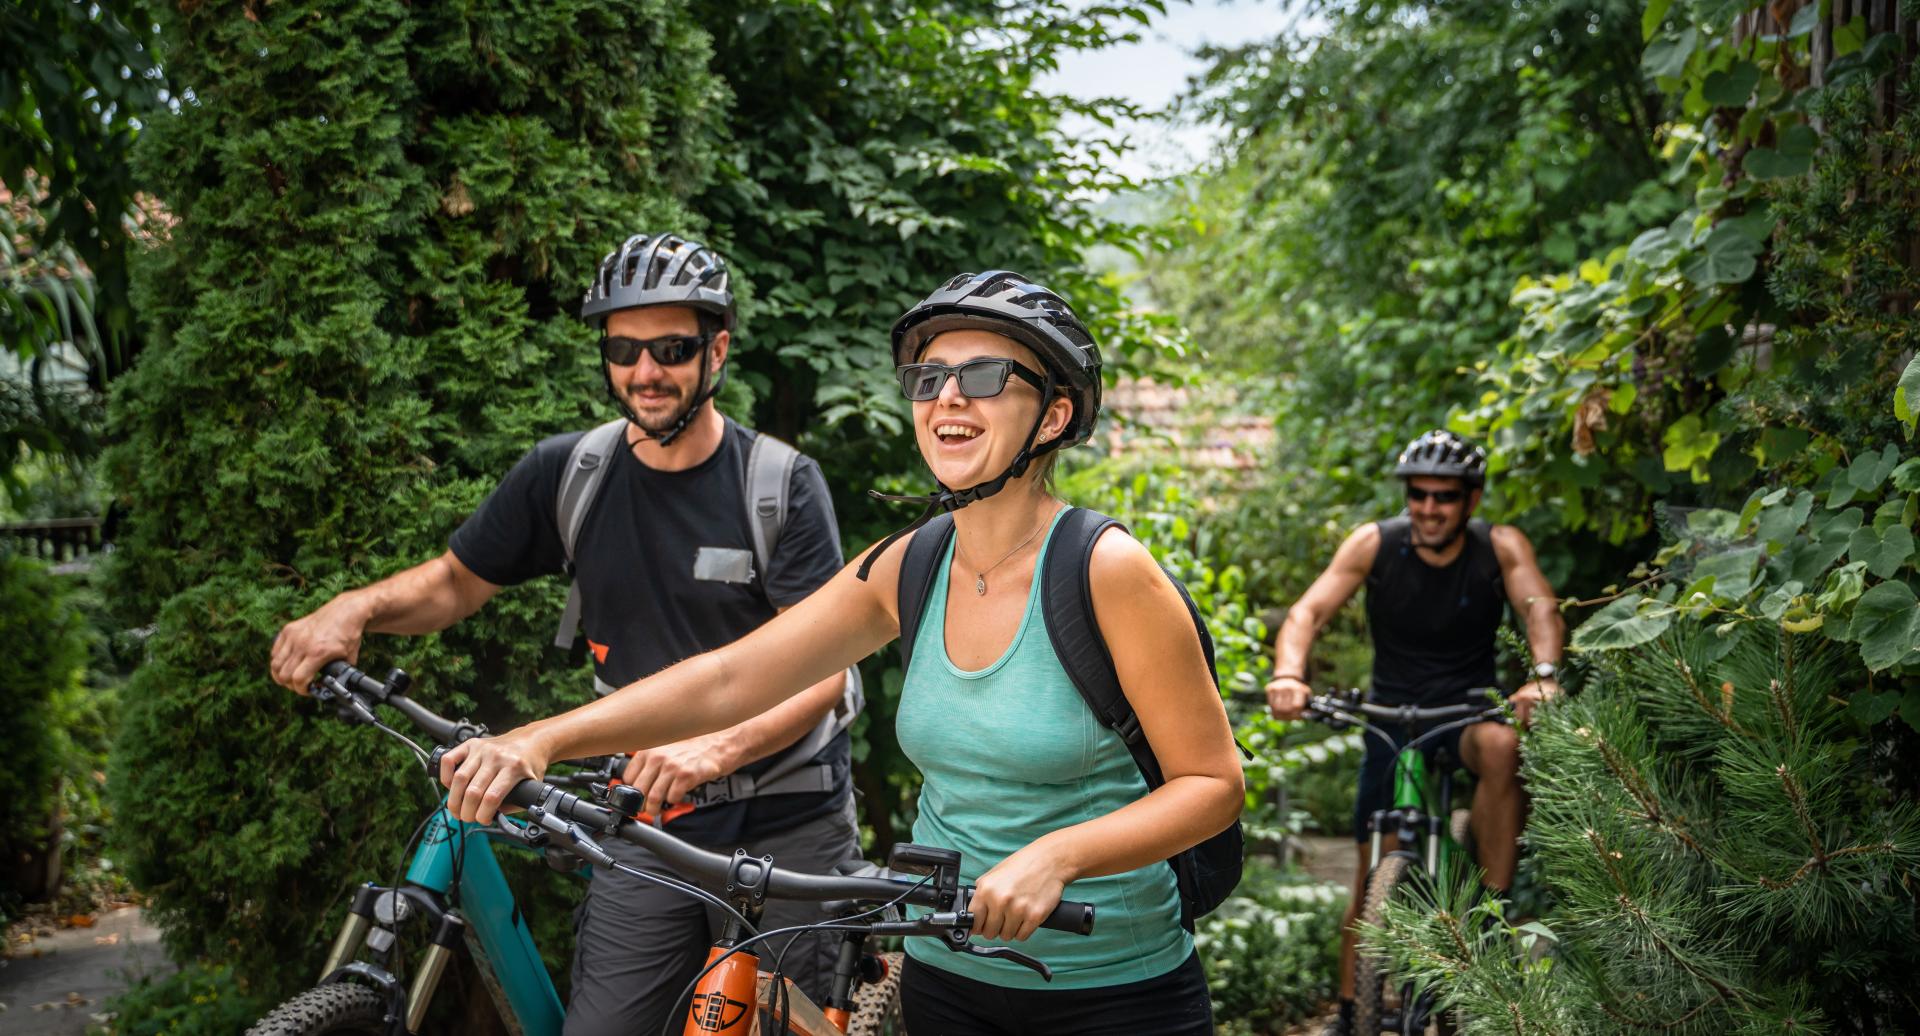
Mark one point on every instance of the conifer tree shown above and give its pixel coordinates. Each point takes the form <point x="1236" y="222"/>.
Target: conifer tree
<point x="382" y="217"/>
<point x="1725" y="851"/>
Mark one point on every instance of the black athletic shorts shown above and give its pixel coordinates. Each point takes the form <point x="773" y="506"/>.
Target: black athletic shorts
<point x="941" y="1003"/>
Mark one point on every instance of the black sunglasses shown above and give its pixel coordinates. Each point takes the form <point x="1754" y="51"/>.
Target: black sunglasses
<point x="983" y="378"/>
<point x="667" y="350"/>
<point x="1438" y="496"/>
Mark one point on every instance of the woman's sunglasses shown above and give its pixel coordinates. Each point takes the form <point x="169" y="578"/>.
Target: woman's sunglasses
<point x="667" y="350"/>
<point x="1438" y="496"/>
<point x="983" y="378"/>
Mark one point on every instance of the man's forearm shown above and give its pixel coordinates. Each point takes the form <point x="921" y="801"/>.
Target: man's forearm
<point x="1546" y="630"/>
<point x="1294" y="645"/>
<point x="779" y="727"/>
<point x="426" y="598"/>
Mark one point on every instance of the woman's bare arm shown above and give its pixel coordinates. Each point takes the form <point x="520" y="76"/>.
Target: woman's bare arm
<point x="837" y="625"/>
<point x="1164" y="674"/>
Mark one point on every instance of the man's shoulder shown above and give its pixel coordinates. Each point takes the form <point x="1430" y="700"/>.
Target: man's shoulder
<point x="554" y="449"/>
<point x="1508" y="541"/>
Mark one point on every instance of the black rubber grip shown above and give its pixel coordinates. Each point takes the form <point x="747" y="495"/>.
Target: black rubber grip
<point x="1071" y="917"/>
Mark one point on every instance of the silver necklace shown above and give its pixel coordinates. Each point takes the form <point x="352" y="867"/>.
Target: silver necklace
<point x="980" y="577"/>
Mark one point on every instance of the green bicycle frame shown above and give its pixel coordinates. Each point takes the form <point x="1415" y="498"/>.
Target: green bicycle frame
<point x="1414" y="788"/>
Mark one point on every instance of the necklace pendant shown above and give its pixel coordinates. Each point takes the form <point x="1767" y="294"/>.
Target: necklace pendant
<point x="980" y="586"/>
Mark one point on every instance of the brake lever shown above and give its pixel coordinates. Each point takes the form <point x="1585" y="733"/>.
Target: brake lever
<point x="1008" y="953"/>
<point x="346" y="704"/>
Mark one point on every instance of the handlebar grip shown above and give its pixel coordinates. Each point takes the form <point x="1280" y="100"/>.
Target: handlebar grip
<point x="1071" y="917"/>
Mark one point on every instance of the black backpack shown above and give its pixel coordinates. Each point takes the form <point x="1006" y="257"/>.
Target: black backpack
<point x="1206" y="873"/>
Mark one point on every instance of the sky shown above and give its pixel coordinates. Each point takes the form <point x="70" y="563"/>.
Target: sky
<point x="1152" y="72"/>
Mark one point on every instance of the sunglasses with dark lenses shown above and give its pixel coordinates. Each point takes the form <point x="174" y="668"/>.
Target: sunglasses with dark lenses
<point x="667" y="350"/>
<point x="1438" y="496"/>
<point x="983" y="378"/>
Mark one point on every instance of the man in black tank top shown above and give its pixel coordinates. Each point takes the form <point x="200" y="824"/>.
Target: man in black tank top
<point x="1438" y="584"/>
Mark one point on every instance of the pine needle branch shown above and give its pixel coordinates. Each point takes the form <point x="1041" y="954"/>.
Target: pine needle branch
<point x="1636" y="785"/>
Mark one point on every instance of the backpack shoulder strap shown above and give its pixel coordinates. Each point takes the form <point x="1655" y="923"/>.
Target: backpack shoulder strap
<point x="579" y="484"/>
<point x="1067" y="605"/>
<point x="917" y="567"/>
<point x="769" y="474"/>
<point x="1066" y="590"/>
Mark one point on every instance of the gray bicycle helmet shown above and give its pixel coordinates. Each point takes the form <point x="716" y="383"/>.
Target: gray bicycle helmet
<point x="1007" y="303"/>
<point x="1442" y="454"/>
<point x="661" y="270"/>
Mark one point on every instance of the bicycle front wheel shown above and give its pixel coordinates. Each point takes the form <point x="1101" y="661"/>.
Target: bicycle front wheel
<point x="333" y="1010"/>
<point x="876" y="1005"/>
<point x="1374" y="996"/>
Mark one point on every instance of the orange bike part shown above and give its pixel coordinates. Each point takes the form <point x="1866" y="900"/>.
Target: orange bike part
<point x="724" y="1001"/>
<point x="671" y="813"/>
<point x="838" y="1017"/>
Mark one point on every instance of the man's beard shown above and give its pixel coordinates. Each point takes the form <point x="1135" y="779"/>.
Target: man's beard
<point x="656" y="417"/>
<point x="1448" y="534"/>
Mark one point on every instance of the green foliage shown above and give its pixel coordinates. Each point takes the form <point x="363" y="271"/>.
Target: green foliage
<point x="47" y="663"/>
<point x="1272" y="952"/>
<point x="1390" y="179"/>
<point x="1725" y="853"/>
<point x="876" y="149"/>
<point x="197" y="1000"/>
<point x="69" y="111"/>
<point x="365" y="313"/>
<point x="362" y="316"/>
<point x="1755" y="338"/>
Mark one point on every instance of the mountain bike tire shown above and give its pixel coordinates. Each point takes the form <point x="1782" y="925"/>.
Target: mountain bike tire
<point x="341" y="1009"/>
<point x="876" y="1005"/>
<point x="1370" y="978"/>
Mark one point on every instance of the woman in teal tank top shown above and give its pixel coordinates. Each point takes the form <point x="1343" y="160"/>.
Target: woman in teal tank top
<point x="1041" y="801"/>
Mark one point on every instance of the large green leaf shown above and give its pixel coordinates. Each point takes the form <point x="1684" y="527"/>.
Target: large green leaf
<point x="1831" y="535"/>
<point x="1781" y="520"/>
<point x="1882" y="551"/>
<point x="1627" y="622"/>
<point x="1906" y="395"/>
<point x="1651" y="18"/>
<point x="1886" y="623"/>
<point x="1667" y="58"/>
<point x="1792" y="155"/>
<point x="1728" y="256"/>
<point x="1731" y="87"/>
<point x="1732" y="572"/>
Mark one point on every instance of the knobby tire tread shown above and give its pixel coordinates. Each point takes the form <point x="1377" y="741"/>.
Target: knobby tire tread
<point x="1370" y="978"/>
<point x="876" y="1005"/>
<point x="341" y="1009"/>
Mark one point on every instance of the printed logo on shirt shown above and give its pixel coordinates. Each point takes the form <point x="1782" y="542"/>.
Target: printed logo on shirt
<point x="599" y="651"/>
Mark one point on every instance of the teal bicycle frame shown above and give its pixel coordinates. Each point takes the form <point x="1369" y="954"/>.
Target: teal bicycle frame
<point x="485" y="918"/>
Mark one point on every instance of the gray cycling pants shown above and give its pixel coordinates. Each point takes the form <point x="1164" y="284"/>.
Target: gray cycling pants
<point x="638" y="944"/>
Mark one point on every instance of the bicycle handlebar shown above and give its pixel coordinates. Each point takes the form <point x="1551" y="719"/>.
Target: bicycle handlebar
<point x="575" y="819"/>
<point x="1331" y="706"/>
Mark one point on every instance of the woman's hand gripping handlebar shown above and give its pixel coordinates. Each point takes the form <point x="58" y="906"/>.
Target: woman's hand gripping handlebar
<point x="577" y="823"/>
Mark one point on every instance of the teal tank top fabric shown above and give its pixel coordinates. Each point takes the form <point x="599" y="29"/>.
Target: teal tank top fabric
<point x="1007" y="754"/>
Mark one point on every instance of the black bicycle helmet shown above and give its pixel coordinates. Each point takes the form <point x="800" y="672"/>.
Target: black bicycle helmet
<point x="1442" y="454"/>
<point x="1005" y="303"/>
<point x="659" y="270"/>
<point x="662" y="270"/>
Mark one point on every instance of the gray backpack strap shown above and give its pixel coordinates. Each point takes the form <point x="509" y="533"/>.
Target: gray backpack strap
<point x="769" y="471"/>
<point x="586" y="469"/>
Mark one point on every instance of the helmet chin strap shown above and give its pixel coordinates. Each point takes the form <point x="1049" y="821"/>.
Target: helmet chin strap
<point x="701" y="394"/>
<point x="945" y="499"/>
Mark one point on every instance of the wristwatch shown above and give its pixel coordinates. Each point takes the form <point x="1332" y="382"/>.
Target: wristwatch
<point x="1545" y="670"/>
